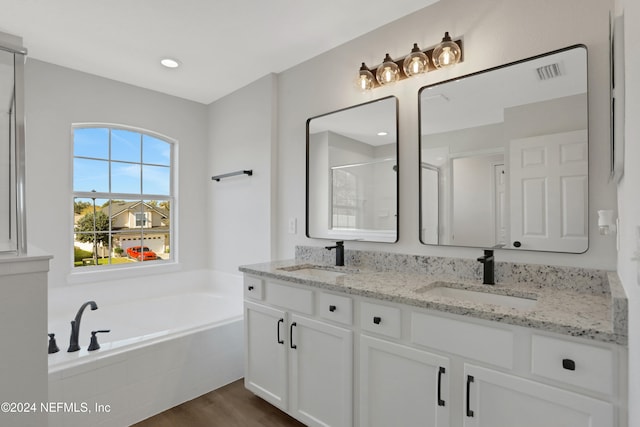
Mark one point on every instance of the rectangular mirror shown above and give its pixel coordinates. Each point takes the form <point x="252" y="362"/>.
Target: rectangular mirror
<point x="352" y="179"/>
<point x="504" y="156"/>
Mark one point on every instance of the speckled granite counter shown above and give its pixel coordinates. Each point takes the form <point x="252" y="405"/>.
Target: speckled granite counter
<point x="571" y="301"/>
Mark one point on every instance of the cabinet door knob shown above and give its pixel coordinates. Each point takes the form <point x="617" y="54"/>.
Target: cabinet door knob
<point x="569" y="364"/>
<point x="377" y="320"/>
<point x="250" y="288"/>
<point x="441" y="371"/>
<point x="332" y="308"/>
<point x="280" y="340"/>
<point x="469" y="381"/>
<point x="291" y="344"/>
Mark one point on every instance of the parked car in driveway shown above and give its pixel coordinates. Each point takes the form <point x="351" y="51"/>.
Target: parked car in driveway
<point x="141" y="253"/>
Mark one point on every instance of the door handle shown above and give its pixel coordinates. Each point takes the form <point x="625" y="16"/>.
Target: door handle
<point x="280" y="341"/>
<point x="292" y="345"/>
<point x="440" y="372"/>
<point x="469" y="381"/>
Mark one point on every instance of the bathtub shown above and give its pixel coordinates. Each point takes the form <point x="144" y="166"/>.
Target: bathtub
<point x="172" y="338"/>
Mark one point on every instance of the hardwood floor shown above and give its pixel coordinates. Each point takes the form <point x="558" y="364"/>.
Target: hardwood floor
<point x="229" y="406"/>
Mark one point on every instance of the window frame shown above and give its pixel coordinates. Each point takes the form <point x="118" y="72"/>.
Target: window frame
<point x="128" y="269"/>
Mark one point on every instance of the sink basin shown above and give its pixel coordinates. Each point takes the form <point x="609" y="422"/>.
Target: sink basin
<point x="508" y="301"/>
<point x="320" y="272"/>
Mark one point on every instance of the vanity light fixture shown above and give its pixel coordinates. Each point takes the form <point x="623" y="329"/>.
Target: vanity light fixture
<point x="170" y="62"/>
<point x="445" y="54"/>
<point x="388" y="72"/>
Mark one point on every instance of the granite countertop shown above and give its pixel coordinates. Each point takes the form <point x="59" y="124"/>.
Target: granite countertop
<point x="600" y="315"/>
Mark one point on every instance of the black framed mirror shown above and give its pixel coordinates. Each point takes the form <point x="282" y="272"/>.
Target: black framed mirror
<point x="352" y="173"/>
<point x="504" y="156"/>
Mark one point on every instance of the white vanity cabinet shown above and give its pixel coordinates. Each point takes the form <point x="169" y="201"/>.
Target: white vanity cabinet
<point x="400" y="385"/>
<point x="496" y="399"/>
<point x="294" y="360"/>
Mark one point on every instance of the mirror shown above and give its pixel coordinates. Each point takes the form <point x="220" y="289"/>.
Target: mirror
<point x="352" y="179"/>
<point x="504" y="156"/>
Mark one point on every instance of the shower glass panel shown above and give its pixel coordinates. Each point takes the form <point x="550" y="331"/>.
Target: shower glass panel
<point x="12" y="221"/>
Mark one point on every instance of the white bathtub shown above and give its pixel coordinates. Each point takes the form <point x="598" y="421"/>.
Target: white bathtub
<point x="172" y="338"/>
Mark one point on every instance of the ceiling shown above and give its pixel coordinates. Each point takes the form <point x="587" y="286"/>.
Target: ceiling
<point x="222" y="45"/>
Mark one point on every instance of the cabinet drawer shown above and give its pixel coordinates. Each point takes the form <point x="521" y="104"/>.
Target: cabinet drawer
<point x="470" y="340"/>
<point x="581" y="365"/>
<point x="381" y="319"/>
<point x="290" y="297"/>
<point x="253" y="288"/>
<point x="336" y="308"/>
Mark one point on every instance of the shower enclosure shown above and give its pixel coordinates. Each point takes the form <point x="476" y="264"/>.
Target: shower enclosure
<point x="12" y="165"/>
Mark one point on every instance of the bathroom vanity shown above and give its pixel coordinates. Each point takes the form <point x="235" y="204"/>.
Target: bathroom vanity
<point x="407" y="340"/>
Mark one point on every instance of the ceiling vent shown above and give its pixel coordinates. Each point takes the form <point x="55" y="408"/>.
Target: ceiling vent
<point x="548" y="72"/>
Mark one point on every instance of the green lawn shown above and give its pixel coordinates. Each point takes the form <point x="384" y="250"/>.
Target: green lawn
<point x="105" y="261"/>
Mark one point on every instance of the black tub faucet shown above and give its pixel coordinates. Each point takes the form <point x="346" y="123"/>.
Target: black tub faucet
<point x="489" y="263"/>
<point x="339" y="247"/>
<point x="75" y="326"/>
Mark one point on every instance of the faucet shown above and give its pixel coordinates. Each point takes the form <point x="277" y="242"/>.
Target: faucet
<point x="488" y="261"/>
<point x="339" y="247"/>
<point x="75" y="326"/>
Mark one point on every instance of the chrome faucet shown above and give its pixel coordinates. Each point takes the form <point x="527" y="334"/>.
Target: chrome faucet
<point x="75" y="326"/>
<point x="489" y="263"/>
<point x="339" y="247"/>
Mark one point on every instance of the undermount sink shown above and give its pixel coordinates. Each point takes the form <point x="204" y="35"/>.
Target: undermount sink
<point x="320" y="272"/>
<point x="509" y="301"/>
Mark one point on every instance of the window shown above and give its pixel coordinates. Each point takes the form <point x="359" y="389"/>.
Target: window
<point x="123" y="197"/>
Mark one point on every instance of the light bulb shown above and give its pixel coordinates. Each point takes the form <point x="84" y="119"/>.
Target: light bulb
<point x="416" y="62"/>
<point x="447" y="53"/>
<point x="388" y="71"/>
<point x="365" y="79"/>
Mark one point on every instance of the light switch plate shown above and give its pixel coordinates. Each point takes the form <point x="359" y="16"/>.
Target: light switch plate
<point x="293" y="225"/>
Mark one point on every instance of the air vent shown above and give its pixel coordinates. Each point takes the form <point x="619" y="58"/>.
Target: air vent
<point x="548" y="72"/>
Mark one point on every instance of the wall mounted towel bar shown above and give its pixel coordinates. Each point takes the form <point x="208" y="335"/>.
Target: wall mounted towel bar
<point x="227" y="175"/>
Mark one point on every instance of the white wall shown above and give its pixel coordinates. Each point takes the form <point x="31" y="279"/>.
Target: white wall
<point x="628" y="200"/>
<point x="494" y="32"/>
<point x="56" y="97"/>
<point x="240" y="213"/>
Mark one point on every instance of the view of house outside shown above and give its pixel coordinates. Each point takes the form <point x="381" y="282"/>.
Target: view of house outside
<point x="122" y="203"/>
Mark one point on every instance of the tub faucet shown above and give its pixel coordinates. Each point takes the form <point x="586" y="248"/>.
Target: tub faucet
<point x="339" y="247"/>
<point x="75" y="326"/>
<point x="489" y="263"/>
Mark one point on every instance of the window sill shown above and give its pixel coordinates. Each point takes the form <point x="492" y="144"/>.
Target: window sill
<point x="120" y="273"/>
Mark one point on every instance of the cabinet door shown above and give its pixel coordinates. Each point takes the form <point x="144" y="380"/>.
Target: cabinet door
<point x="402" y="386"/>
<point x="266" y="353"/>
<point x="321" y="373"/>
<point x="494" y="399"/>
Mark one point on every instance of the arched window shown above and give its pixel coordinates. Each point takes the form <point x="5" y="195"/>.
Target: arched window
<point x="123" y="196"/>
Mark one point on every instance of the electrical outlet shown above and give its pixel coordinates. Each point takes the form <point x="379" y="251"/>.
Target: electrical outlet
<point x="293" y="225"/>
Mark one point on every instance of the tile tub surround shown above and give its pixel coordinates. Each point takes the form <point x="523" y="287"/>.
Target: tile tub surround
<point x="572" y="301"/>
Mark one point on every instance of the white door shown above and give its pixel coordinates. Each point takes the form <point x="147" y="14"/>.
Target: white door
<point x="495" y="399"/>
<point x="502" y="219"/>
<point x="402" y="386"/>
<point x="430" y="204"/>
<point x="548" y="192"/>
<point x="321" y="373"/>
<point x="266" y="353"/>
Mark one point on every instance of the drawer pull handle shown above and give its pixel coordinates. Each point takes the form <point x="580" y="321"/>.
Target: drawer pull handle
<point x="569" y="364"/>
<point x="250" y="287"/>
<point x="440" y="372"/>
<point x="293" y="346"/>
<point x="332" y="308"/>
<point x="377" y="320"/>
<point x="280" y="341"/>
<point x="469" y="381"/>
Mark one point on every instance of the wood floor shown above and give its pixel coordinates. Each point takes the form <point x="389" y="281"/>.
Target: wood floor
<point x="229" y="406"/>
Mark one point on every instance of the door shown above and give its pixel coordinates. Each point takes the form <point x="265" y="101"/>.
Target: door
<point x="549" y="192"/>
<point x="266" y="353"/>
<point x="495" y="399"/>
<point x="321" y="373"/>
<point x="402" y="386"/>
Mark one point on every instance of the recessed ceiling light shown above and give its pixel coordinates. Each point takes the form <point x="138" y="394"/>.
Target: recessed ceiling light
<point x="170" y="63"/>
<point x="383" y="133"/>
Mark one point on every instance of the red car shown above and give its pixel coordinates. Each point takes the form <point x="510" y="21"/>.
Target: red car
<point x="141" y="253"/>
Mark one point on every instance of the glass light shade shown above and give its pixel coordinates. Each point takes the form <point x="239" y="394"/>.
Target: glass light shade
<point x="388" y="71"/>
<point x="416" y="62"/>
<point x="365" y="78"/>
<point x="447" y="53"/>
